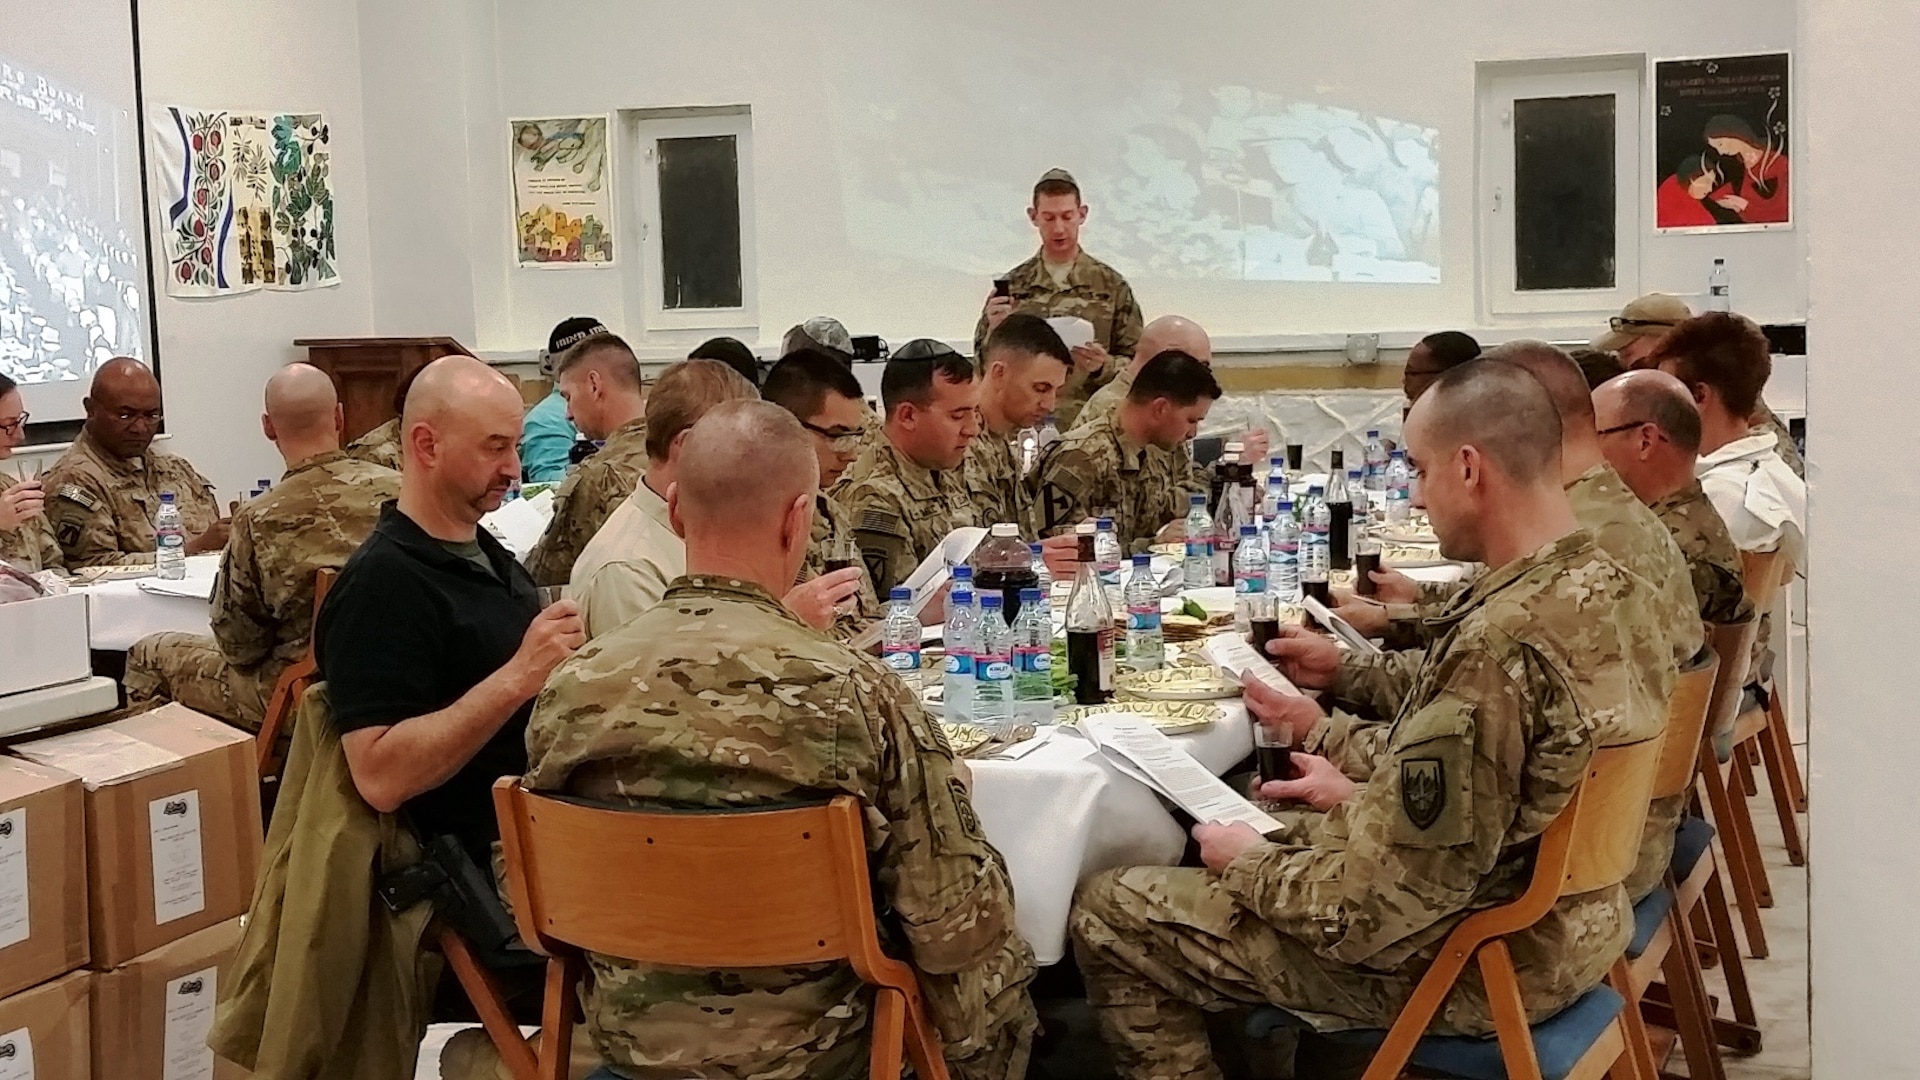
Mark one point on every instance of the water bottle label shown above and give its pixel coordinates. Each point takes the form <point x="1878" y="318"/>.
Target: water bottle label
<point x="959" y="664"/>
<point x="1143" y="620"/>
<point x="1243" y="584"/>
<point x="1199" y="549"/>
<point x="995" y="671"/>
<point x="903" y="660"/>
<point x="1034" y="661"/>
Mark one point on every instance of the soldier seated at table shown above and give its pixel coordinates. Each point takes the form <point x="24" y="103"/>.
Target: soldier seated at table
<point x="313" y="519"/>
<point x="104" y="493"/>
<point x="1535" y="666"/>
<point x="719" y="696"/>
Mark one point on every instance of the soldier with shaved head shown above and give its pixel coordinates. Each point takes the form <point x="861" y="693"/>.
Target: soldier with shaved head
<point x="1491" y="730"/>
<point x="322" y="509"/>
<point x="104" y="492"/>
<point x="719" y="696"/>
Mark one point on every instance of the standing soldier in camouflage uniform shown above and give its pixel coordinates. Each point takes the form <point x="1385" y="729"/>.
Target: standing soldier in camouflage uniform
<point x="1022" y="369"/>
<point x="1130" y="462"/>
<point x="601" y="382"/>
<point x="1535" y="667"/>
<point x="909" y="490"/>
<point x="823" y="395"/>
<point x="1061" y="279"/>
<point x="314" y="519"/>
<point x="104" y="492"/>
<point x="26" y="537"/>
<point x="719" y="697"/>
<point x="381" y="446"/>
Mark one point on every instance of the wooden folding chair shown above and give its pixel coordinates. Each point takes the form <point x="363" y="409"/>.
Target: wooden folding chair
<point x="1763" y="730"/>
<point x="766" y="888"/>
<point x="1733" y="825"/>
<point x="1661" y="944"/>
<point x="293" y="684"/>
<point x="483" y="991"/>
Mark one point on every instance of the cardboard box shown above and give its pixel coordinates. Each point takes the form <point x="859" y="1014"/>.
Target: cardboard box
<point x="151" y="1015"/>
<point x="173" y="825"/>
<point x="46" y="642"/>
<point x="43" y="875"/>
<point x="44" y="1032"/>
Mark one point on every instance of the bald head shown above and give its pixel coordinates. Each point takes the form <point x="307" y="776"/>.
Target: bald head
<point x="1650" y="396"/>
<point x="453" y="385"/>
<point x="1500" y="409"/>
<point x="122" y="374"/>
<point x="301" y="403"/>
<point x="123" y="407"/>
<point x="1565" y="383"/>
<point x="742" y="467"/>
<point x="460" y="437"/>
<point x="1173" y="332"/>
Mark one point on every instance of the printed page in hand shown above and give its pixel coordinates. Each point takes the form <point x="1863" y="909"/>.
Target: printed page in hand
<point x="929" y="578"/>
<point x="1342" y="629"/>
<point x="1235" y="657"/>
<point x="1144" y="752"/>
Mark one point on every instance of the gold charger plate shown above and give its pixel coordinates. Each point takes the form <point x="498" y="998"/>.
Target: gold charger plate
<point x="965" y="738"/>
<point x="1175" y="684"/>
<point x="1171" y="717"/>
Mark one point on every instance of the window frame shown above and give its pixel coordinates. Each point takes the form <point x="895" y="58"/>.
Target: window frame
<point x="641" y="132"/>
<point x="1498" y="85"/>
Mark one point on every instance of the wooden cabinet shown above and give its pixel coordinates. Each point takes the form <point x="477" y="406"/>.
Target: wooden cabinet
<point x="367" y="371"/>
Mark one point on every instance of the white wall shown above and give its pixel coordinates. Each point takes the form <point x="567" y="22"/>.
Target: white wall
<point x="1862" y="608"/>
<point x="215" y="355"/>
<point x="1399" y="58"/>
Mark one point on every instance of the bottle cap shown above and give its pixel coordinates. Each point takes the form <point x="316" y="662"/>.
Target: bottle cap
<point x="1316" y="489"/>
<point x="1396" y="452"/>
<point x="1249" y="530"/>
<point x="167" y="497"/>
<point x="1286" y="502"/>
<point x="1373" y="433"/>
<point x="1276" y="459"/>
<point x="960" y="594"/>
<point x="1034" y="547"/>
<point x="1353" y="474"/>
<point x="1006" y="528"/>
<point x="1085" y="528"/>
<point x="1198" y="498"/>
<point x="1029" y="596"/>
<point x="991" y="600"/>
<point x="1143" y="559"/>
<point x="1106" y="523"/>
<point x="900" y="592"/>
<point x="963" y="572"/>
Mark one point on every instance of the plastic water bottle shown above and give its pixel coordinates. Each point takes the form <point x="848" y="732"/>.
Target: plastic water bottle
<point x="1719" y="288"/>
<point x="1042" y="577"/>
<point x="1317" y="522"/>
<point x="1044" y="439"/>
<point x="1362" y="509"/>
<point x="1196" y="570"/>
<point x="1033" y="661"/>
<point x="993" y="667"/>
<point x="1278" y="484"/>
<point x="1146" y="642"/>
<point x="1249" y="573"/>
<point x="900" y="634"/>
<point x="1106" y="553"/>
<point x="1376" y="463"/>
<point x="1283" y="554"/>
<point x="1399" y="488"/>
<point x="961" y="636"/>
<point x="169" y="540"/>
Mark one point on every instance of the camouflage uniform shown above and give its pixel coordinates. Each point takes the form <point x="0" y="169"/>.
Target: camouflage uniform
<point x="1783" y="440"/>
<point x="1096" y="467"/>
<point x="381" y="446"/>
<point x="1095" y="292"/>
<point x="586" y="499"/>
<point x="1713" y="561"/>
<point x="1108" y="398"/>
<point x="994" y="482"/>
<point x="718" y="697"/>
<point x="900" y="511"/>
<point x="31" y="546"/>
<point x="831" y="521"/>
<point x="1534" y="667"/>
<point x="313" y="519"/>
<point x="102" y="508"/>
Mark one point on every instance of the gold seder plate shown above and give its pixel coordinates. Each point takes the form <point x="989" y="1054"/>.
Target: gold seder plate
<point x="1175" y="684"/>
<point x="1171" y="717"/>
<point x="965" y="738"/>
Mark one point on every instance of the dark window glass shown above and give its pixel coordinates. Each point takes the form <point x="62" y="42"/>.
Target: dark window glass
<point x="1563" y="193"/>
<point x="700" y="222"/>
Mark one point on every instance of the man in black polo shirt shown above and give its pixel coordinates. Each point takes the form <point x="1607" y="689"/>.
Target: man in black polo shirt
<point x="432" y="642"/>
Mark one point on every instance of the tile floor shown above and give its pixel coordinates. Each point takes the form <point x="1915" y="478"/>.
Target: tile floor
<point x="1779" y="986"/>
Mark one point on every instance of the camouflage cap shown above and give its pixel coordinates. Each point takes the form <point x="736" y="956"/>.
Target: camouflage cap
<point x="829" y="332"/>
<point x="1057" y="176"/>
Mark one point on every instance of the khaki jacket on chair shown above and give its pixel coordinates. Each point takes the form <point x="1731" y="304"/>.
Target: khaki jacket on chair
<point x="327" y="983"/>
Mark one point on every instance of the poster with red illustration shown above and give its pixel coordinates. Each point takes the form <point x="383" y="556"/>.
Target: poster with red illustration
<point x="1720" y="144"/>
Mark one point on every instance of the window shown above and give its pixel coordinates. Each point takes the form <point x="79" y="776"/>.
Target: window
<point x="693" y="225"/>
<point x="1559" y="164"/>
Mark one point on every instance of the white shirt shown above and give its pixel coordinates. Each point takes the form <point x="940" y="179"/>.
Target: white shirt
<point x="1763" y="503"/>
<point x="625" y="568"/>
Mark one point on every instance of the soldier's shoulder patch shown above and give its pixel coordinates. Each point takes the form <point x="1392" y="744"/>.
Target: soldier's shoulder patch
<point x="78" y="495"/>
<point x="874" y="519"/>
<point x="963" y="808"/>
<point x="67" y="533"/>
<point x="1423" y="790"/>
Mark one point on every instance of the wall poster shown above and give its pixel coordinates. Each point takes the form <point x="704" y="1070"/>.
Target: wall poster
<point x="246" y="201"/>
<point x="562" y="192"/>
<point x="1720" y="135"/>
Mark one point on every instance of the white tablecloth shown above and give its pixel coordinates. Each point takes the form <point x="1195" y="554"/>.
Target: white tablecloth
<point x="120" y="613"/>
<point x="1062" y="814"/>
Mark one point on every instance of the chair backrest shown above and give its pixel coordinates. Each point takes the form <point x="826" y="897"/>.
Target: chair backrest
<point x="713" y="889"/>
<point x="1687" y="712"/>
<point x="1604" y="822"/>
<point x="293" y="684"/>
<point x="1761" y="572"/>
<point x="1733" y="643"/>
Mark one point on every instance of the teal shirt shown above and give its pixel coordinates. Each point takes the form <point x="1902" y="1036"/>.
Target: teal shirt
<point x="545" y="440"/>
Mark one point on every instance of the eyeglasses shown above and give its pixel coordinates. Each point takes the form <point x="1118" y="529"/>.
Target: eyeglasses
<point x="128" y="416"/>
<point x="12" y="427"/>
<point x="1620" y="323"/>
<point x="1618" y="428"/>
<point x="841" y="441"/>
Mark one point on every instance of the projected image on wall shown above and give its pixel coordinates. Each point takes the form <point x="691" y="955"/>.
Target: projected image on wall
<point x="72" y="282"/>
<point x="1185" y="179"/>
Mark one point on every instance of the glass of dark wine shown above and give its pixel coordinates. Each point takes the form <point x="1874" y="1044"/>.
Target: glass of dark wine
<point x="841" y="553"/>
<point x="1273" y="754"/>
